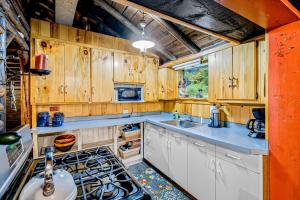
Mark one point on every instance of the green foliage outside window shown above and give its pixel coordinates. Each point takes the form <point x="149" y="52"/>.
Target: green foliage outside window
<point x="194" y="82"/>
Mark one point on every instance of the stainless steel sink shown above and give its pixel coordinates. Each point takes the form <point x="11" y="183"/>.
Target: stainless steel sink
<point x="182" y="123"/>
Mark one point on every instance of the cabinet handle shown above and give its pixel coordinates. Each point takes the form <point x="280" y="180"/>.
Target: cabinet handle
<point x="219" y="168"/>
<point x="212" y="165"/>
<point x="199" y="145"/>
<point x="61" y="89"/>
<point x="93" y="90"/>
<point x="177" y="137"/>
<point x="66" y="89"/>
<point x="232" y="156"/>
<point x="230" y="82"/>
<point x="234" y="82"/>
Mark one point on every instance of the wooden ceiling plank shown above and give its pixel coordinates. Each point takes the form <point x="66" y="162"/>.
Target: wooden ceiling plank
<point x="177" y="21"/>
<point x="65" y="11"/>
<point x="130" y="26"/>
<point x="177" y="34"/>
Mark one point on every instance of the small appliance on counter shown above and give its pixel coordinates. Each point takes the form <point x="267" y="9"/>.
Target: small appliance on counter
<point x="58" y="119"/>
<point x="257" y="125"/>
<point x="215" y="116"/>
<point x="43" y="119"/>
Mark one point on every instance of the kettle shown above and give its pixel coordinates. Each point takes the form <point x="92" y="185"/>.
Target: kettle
<point x="215" y="116"/>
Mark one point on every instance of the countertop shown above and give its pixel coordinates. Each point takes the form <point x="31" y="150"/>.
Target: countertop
<point x="235" y="138"/>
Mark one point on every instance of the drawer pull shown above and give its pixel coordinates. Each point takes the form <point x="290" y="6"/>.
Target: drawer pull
<point x="199" y="145"/>
<point x="233" y="157"/>
<point x="176" y="136"/>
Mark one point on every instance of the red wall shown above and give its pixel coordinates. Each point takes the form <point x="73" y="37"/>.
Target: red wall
<point x="284" y="112"/>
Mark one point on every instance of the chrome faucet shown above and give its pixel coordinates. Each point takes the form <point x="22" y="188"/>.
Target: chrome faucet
<point x="48" y="188"/>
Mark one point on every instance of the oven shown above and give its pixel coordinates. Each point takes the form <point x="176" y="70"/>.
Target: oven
<point x="125" y="93"/>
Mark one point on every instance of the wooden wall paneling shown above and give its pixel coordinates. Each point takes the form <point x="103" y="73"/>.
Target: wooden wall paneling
<point x="244" y="71"/>
<point x="102" y="86"/>
<point x="59" y="31"/>
<point x="69" y="110"/>
<point x="77" y="73"/>
<point x="49" y="89"/>
<point x="97" y="136"/>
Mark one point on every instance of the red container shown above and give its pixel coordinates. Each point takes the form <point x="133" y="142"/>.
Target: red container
<point x="41" y="61"/>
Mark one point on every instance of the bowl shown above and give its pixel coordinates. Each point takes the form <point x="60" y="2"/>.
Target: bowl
<point x="64" y="142"/>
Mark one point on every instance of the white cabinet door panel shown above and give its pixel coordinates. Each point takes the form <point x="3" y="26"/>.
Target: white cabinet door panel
<point x="178" y="158"/>
<point x="236" y="183"/>
<point x="201" y="170"/>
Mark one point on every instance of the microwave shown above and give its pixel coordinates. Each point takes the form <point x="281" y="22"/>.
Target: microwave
<point x="129" y="93"/>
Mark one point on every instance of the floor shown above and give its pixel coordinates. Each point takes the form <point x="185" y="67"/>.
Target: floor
<point x="157" y="186"/>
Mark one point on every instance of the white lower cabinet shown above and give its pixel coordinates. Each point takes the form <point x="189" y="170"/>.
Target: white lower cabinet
<point x="156" y="147"/>
<point x="206" y="171"/>
<point x="178" y="158"/>
<point x="201" y="169"/>
<point x="236" y="183"/>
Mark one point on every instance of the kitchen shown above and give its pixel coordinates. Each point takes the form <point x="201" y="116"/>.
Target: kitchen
<point x="117" y="99"/>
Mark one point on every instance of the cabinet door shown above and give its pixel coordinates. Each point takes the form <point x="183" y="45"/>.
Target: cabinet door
<point x="262" y="65"/>
<point x="161" y="153"/>
<point x="201" y="170"/>
<point x="234" y="182"/>
<point x="223" y="76"/>
<point x="178" y="158"/>
<point x="137" y="69"/>
<point x="149" y="143"/>
<point x="49" y="89"/>
<point x="244" y="71"/>
<point x="128" y="68"/>
<point x="77" y="73"/>
<point x="151" y="85"/>
<point x="212" y="76"/>
<point x="102" y="76"/>
<point x="168" y="81"/>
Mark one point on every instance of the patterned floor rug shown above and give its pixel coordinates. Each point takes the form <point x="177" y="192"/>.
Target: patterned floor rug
<point x="158" y="187"/>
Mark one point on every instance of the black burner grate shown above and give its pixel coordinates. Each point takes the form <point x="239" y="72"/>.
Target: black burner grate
<point x="98" y="174"/>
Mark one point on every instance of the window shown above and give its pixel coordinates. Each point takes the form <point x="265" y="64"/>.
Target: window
<point x="193" y="81"/>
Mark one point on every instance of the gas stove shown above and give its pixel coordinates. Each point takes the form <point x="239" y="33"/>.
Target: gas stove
<point x="98" y="174"/>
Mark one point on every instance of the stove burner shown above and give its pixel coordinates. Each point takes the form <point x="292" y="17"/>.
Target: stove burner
<point x="98" y="174"/>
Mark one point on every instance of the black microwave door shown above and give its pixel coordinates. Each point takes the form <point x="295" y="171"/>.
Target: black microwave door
<point x="128" y="94"/>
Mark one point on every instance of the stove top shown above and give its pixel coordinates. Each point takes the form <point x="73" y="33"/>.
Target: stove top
<point x="98" y="174"/>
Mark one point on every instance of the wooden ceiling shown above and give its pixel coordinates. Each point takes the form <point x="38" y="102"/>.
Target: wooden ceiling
<point x="173" y="40"/>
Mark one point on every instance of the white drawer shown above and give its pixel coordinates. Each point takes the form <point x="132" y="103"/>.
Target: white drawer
<point x="203" y="146"/>
<point x="251" y="162"/>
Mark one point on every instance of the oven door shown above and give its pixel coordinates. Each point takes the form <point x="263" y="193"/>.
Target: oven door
<point x="125" y="94"/>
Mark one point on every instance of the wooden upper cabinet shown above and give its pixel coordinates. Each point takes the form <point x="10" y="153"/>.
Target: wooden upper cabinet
<point x="244" y="71"/>
<point x="129" y="68"/>
<point x="262" y="66"/>
<point x="167" y="84"/>
<point x="150" y="89"/>
<point x="102" y="75"/>
<point x="232" y="73"/>
<point x="50" y="88"/>
<point x="77" y="73"/>
<point x="223" y="72"/>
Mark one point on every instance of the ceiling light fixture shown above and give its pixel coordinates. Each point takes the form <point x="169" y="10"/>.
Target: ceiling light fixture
<point x="143" y="44"/>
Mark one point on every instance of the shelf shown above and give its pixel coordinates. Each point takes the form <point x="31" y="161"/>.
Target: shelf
<point x="98" y="144"/>
<point x="40" y="72"/>
<point x="124" y="141"/>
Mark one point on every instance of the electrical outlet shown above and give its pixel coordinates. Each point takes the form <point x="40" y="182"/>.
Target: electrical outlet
<point x="125" y="111"/>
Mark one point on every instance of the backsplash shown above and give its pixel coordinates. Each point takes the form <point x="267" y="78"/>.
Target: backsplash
<point x="230" y="113"/>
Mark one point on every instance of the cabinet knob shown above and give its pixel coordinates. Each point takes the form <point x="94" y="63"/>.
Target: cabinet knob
<point x="93" y="90"/>
<point x="66" y="89"/>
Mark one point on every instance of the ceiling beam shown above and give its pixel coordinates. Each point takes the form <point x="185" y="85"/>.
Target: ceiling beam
<point x="65" y="11"/>
<point x="177" y="21"/>
<point x="177" y="34"/>
<point x="131" y="26"/>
